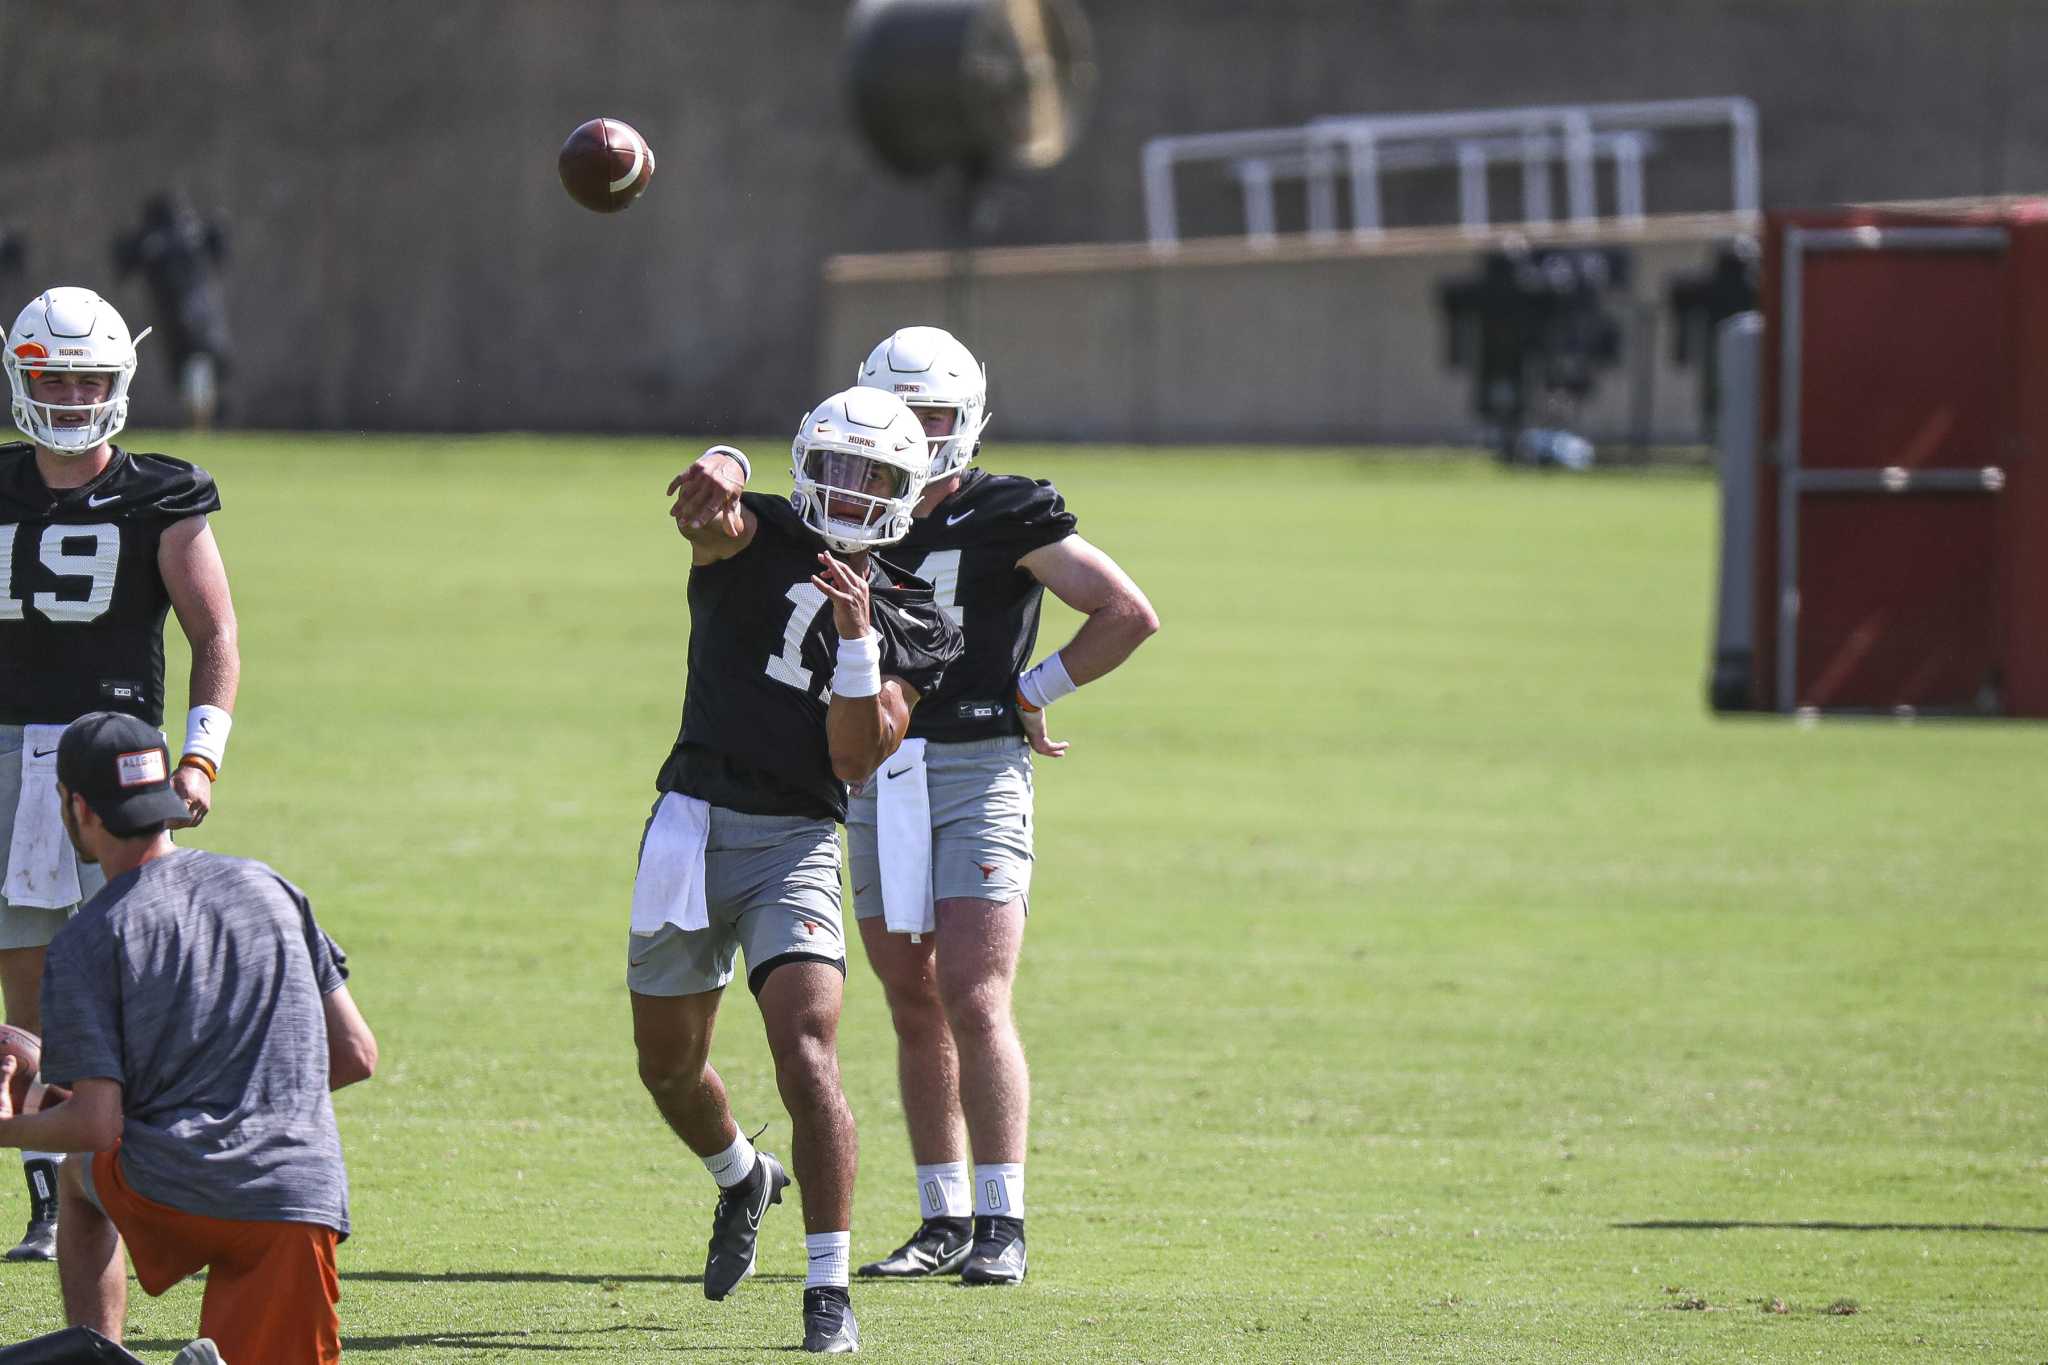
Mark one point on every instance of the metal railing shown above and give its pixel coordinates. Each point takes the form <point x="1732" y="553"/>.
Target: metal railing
<point x="1365" y="147"/>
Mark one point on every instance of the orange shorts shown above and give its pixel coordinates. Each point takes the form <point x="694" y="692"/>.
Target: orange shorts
<point x="270" y="1287"/>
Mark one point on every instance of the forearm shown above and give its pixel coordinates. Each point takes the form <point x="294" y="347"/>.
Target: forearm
<point x="70" y="1127"/>
<point x="345" y="1069"/>
<point x="216" y="669"/>
<point x="861" y="733"/>
<point x="1108" y="636"/>
<point x="1118" y="616"/>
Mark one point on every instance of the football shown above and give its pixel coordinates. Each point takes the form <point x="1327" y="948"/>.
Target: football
<point x="27" y="1051"/>
<point x="605" y="165"/>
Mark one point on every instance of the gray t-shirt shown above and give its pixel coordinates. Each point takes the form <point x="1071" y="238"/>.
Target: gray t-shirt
<point x="196" y="981"/>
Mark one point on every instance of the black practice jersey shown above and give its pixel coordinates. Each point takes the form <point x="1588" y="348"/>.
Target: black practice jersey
<point x="968" y="549"/>
<point x="762" y="651"/>
<point x="82" y="602"/>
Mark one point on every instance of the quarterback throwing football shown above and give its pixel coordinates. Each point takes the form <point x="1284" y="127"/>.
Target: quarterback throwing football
<point x="939" y="837"/>
<point x="807" y="655"/>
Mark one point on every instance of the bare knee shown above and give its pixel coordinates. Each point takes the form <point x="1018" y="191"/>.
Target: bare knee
<point x="673" y="1067"/>
<point x="916" y="1010"/>
<point x="977" y="1010"/>
<point x="909" y="979"/>
<point x="806" y="1055"/>
<point x="800" y="1009"/>
<point x="805" y="1045"/>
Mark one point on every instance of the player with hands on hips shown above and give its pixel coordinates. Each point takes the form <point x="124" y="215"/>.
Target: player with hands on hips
<point x="807" y="654"/>
<point x="940" y="842"/>
<point x="97" y="546"/>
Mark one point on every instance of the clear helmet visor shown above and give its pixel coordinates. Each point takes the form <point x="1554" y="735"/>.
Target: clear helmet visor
<point x="857" y="491"/>
<point x="853" y="500"/>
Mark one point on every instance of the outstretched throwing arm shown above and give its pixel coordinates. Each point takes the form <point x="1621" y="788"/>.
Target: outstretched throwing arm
<point x="707" y="508"/>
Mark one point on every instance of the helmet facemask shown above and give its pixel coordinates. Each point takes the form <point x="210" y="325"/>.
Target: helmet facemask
<point x="44" y="422"/>
<point x="861" y="498"/>
<point x="959" y="443"/>
<point x="69" y="331"/>
<point x="858" y="465"/>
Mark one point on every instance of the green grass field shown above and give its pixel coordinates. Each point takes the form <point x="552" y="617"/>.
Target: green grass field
<point x="1416" y="973"/>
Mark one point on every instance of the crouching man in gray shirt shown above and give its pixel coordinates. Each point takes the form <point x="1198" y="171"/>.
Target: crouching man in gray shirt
<point x="199" y="1013"/>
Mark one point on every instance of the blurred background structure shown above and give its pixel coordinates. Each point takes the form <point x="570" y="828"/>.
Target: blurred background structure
<point x="179" y="256"/>
<point x="13" y="257"/>
<point x="406" y="261"/>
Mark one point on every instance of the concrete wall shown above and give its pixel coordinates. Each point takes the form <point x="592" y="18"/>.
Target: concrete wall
<point x="1298" y="344"/>
<point x="406" y="259"/>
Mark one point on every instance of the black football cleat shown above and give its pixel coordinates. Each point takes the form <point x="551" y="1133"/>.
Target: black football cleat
<point x="829" y="1328"/>
<point x="998" y="1255"/>
<point x="39" y="1243"/>
<point x="736" y="1225"/>
<point x="937" y="1248"/>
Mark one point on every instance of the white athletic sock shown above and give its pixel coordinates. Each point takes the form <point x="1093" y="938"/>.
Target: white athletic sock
<point x="942" y="1190"/>
<point x="828" y="1253"/>
<point x="998" y="1189"/>
<point x="732" y="1165"/>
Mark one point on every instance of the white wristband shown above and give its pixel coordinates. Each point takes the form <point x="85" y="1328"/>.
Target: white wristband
<point x="206" y="733"/>
<point x="859" y="670"/>
<point x="1046" y="683"/>
<point x="746" y="467"/>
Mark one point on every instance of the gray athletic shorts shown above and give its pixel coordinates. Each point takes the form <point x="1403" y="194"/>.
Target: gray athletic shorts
<point x="771" y="886"/>
<point x="25" y="926"/>
<point x="980" y="793"/>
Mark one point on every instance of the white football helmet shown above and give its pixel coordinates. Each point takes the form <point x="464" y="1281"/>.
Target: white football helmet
<point x="859" y="463"/>
<point x="69" y="328"/>
<point x="927" y="368"/>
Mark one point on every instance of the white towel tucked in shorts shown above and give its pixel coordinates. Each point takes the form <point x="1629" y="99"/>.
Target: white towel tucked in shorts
<point x="903" y="837"/>
<point x="669" y="888"/>
<point x="41" y="869"/>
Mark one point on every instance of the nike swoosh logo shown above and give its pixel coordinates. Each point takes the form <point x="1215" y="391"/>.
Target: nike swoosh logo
<point x="821" y="1255"/>
<point x="44" y="753"/>
<point x="900" y="771"/>
<point x="950" y="521"/>
<point x="96" y="500"/>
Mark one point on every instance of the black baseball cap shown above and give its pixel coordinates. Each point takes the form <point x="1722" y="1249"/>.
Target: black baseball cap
<point x="119" y="764"/>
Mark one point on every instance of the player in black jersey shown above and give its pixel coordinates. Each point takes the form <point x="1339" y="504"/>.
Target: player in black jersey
<point x="940" y="840"/>
<point x="807" y="655"/>
<point x="97" y="545"/>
